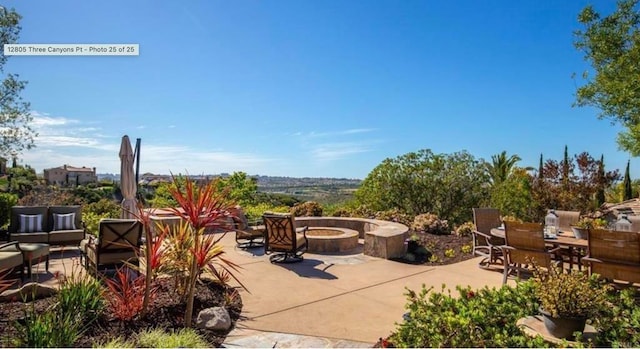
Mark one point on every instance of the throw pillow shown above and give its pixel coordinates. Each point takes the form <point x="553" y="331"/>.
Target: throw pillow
<point x="30" y="223"/>
<point x="65" y="221"/>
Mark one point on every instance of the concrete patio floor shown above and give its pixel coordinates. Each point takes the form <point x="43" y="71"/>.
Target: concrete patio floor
<point x="347" y="300"/>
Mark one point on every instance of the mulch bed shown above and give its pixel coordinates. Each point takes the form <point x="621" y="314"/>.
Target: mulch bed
<point x="167" y="312"/>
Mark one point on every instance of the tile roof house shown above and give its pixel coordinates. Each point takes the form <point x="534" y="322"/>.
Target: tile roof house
<point x="69" y="175"/>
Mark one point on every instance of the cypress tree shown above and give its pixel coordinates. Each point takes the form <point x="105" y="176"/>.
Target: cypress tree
<point x="565" y="168"/>
<point x="600" y="193"/>
<point x="628" y="194"/>
<point x="540" y="167"/>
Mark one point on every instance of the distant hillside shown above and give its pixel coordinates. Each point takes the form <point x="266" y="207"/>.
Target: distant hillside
<point x="323" y="190"/>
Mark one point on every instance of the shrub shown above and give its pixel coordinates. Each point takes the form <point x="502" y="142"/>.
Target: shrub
<point x="183" y="338"/>
<point x="6" y="202"/>
<point x="92" y="213"/>
<point x="619" y="323"/>
<point x="465" y="229"/>
<point x="481" y="318"/>
<point x="569" y="294"/>
<point x="82" y="295"/>
<point x="50" y="329"/>
<point x="395" y="215"/>
<point x="445" y="184"/>
<point x="117" y="342"/>
<point x="466" y="249"/>
<point x="361" y="211"/>
<point x="125" y="295"/>
<point x="449" y="253"/>
<point x="512" y="219"/>
<point x="430" y="223"/>
<point x="307" y="209"/>
<point x="254" y="212"/>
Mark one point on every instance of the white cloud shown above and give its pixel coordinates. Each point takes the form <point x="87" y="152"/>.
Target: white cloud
<point x="335" y="151"/>
<point x="314" y="134"/>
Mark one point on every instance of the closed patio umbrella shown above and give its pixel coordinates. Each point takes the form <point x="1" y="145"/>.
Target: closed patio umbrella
<point x="127" y="179"/>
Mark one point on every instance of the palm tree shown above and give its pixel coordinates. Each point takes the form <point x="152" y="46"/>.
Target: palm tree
<point x="501" y="167"/>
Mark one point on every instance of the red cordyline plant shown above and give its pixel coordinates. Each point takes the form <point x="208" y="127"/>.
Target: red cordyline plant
<point x="202" y="207"/>
<point x="153" y="251"/>
<point x="126" y="295"/>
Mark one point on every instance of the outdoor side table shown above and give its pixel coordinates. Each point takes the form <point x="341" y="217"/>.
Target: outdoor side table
<point x="34" y="253"/>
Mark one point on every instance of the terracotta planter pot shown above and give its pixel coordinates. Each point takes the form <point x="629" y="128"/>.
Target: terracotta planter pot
<point x="563" y="327"/>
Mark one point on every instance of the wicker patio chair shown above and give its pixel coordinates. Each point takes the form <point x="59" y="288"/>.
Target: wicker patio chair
<point x="283" y="239"/>
<point x="614" y="255"/>
<point x="117" y="242"/>
<point x="524" y="245"/>
<point x="484" y="244"/>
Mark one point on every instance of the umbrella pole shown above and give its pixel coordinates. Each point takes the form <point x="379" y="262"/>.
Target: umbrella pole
<point x="137" y="153"/>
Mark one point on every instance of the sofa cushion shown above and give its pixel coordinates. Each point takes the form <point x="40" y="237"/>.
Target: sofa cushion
<point x="74" y="236"/>
<point x="30" y="223"/>
<point x="38" y="237"/>
<point x="66" y="221"/>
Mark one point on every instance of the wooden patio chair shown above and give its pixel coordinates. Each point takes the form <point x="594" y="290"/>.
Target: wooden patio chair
<point x="524" y="246"/>
<point x="566" y="219"/>
<point x="614" y="255"/>
<point x="283" y="239"/>
<point x="484" y="244"/>
<point x="117" y="242"/>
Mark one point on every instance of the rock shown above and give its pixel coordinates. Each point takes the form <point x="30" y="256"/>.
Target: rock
<point x="216" y="318"/>
<point x="28" y="292"/>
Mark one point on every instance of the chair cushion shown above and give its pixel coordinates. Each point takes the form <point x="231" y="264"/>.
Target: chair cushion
<point x="66" y="235"/>
<point x="300" y="240"/>
<point x="30" y="223"/>
<point x="9" y="259"/>
<point x="250" y="233"/>
<point x="66" y="221"/>
<point x="109" y="258"/>
<point x="41" y="237"/>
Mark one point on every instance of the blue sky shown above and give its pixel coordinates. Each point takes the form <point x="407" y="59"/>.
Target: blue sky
<point x="308" y="88"/>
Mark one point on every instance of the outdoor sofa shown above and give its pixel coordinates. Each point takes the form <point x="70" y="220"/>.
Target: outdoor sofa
<point x="53" y="225"/>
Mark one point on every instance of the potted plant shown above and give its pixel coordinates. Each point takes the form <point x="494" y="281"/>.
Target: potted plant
<point x="581" y="228"/>
<point x="568" y="299"/>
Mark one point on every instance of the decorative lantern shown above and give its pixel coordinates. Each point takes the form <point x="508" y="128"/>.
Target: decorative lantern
<point x="552" y="222"/>
<point x="623" y="224"/>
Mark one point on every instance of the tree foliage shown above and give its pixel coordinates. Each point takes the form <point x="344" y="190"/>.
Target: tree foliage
<point x="448" y="185"/>
<point x="578" y="192"/>
<point x="611" y="45"/>
<point x="242" y="187"/>
<point x="513" y="196"/>
<point x="16" y="133"/>
<point x="500" y="167"/>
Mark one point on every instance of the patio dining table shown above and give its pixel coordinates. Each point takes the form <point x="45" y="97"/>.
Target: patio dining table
<point x="562" y="239"/>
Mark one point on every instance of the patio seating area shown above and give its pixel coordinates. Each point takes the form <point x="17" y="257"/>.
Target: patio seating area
<point x="349" y="300"/>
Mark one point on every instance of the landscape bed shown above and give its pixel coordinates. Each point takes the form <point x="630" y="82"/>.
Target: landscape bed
<point x="166" y="312"/>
